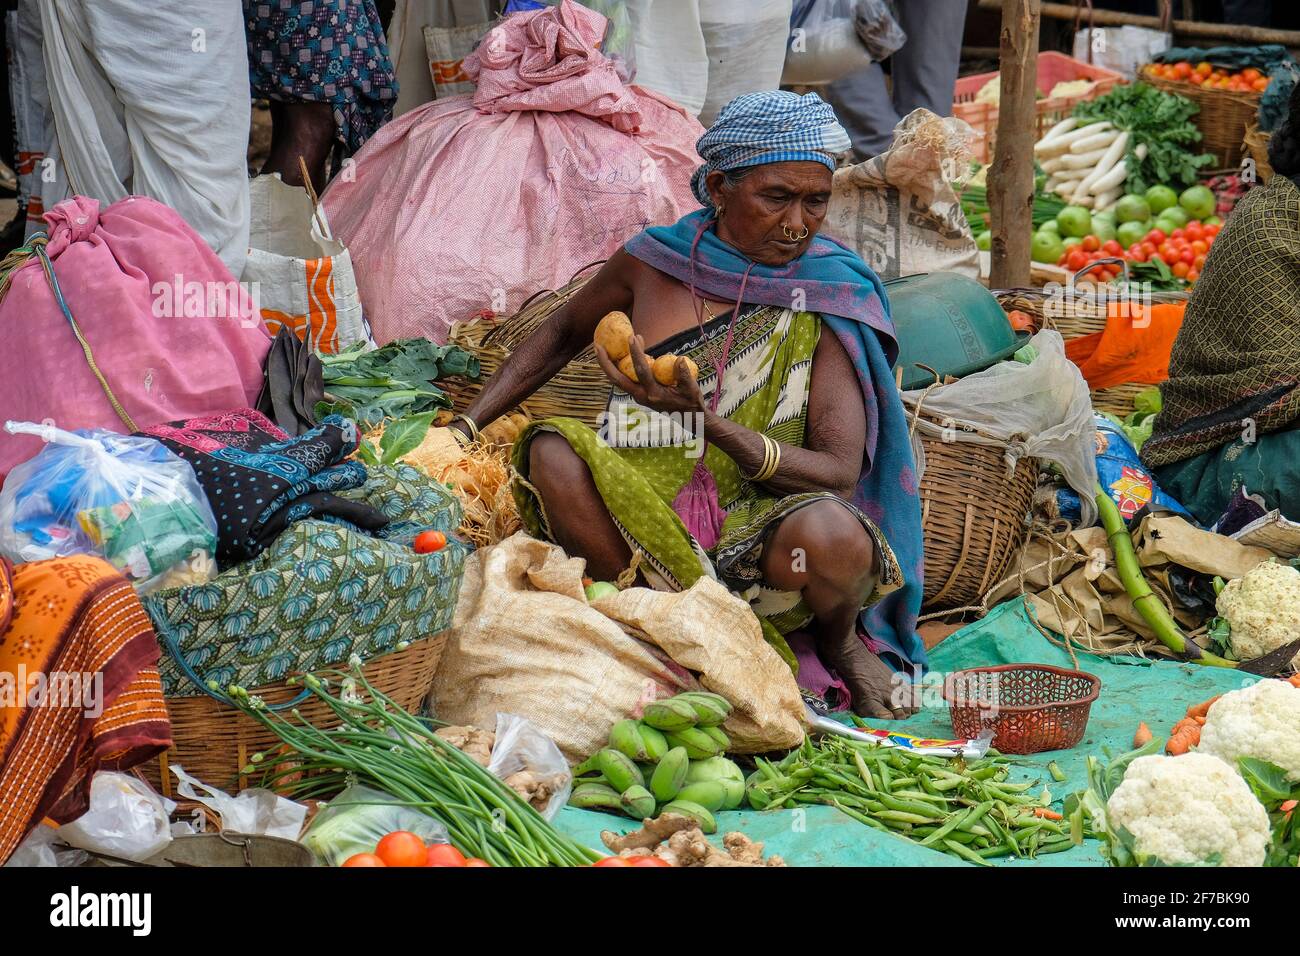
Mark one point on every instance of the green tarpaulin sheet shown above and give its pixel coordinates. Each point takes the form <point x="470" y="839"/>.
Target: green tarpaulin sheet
<point x="1132" y="690"/>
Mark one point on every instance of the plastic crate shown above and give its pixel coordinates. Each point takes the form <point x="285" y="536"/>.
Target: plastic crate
<point x="1053" y="68"/>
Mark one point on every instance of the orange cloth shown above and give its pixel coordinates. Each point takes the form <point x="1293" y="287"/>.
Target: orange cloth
<point x="1134" y="346"/>
<point x="72" y="630"/>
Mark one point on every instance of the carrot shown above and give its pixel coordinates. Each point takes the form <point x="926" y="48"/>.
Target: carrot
<point x="1294" y="680"/>
<point x="1177" y="746"/>
<point x="1200" y="710"/>
<point x="1183" y="726"/>
<point x="1200" y="721"/>
<point x="1287" y="806"/>
<point x="1047" y="814"/>
<point x="1142" y="736"/>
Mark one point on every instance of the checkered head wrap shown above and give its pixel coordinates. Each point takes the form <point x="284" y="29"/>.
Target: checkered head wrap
<point x="772" y="126"/>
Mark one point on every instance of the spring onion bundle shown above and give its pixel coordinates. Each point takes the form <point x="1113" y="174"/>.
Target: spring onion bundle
<point x="380" y="745"/>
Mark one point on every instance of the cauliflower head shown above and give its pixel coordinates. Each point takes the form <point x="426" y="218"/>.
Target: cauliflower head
<point x="1185" y="809"/>
<point x="1262" y="721"/>
<point x="1263" y="609"/>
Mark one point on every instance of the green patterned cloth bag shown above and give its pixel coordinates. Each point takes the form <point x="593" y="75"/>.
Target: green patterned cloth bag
<point x="321" y="593"/>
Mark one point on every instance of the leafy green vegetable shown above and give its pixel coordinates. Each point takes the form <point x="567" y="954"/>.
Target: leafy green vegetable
<point x="1271" y="787"/>
<point x="1161" y="121"/>
<point x="395" y="381"/>
<point x="1155" y="273"/>
<point x="975" y="204"/>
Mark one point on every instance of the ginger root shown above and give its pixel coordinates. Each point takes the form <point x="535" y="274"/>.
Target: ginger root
<point x="474" y="743"/>
<point x="678" y="840"/>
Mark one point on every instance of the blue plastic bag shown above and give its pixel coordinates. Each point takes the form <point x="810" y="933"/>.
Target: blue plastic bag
<point x="1125" y="478"/>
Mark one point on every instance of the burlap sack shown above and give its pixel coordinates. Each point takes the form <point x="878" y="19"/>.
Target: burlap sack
<point x="899" y="210"/>
<point x="525" y="641"/>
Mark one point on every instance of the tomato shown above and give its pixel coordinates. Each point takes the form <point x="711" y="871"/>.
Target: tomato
<point x="1135" y="253"/>
<point x="1196" y="78"/>
<point x="1182" y="69"/>
<point x="1075" y="260"/>
<point x="1181" y="269"/>
<point x="1198" y="263"/>
<point x="443" y="854"/>
<point x="1194" y="230"/>
<point x="363" y="859"/>
<point x="1090" y="243"/>
<point x="1178" y="234"/>
<point x="401" y="848"/>
<point x="1155" y="237"/>
<point x="475" y="861"/>
<point x="1200" y="247"/>
<point x="1188" y="256"/>
<point x="1112" y="248"/>
<point x="426" y="542"/>
<point x="1212" y="230"/>
<point x="649" y="861"/>
<point x="1260" y="85"/>
<point x="1193" y="275"/>
<point x="1204" y="68"/>
<point x="613" y="861"/>
<point x="1250" y="73"/>
<point x="1148" y="249"/>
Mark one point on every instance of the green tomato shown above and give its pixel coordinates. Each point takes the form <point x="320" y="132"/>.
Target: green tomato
<point x="1160" y="198"/>
<point x="1198" y="201"/>
<point x="1074" y="221"/>
<point x="984" y="240"/>
<point x="1132" y="209"/>
<point x="1046" y="247"/>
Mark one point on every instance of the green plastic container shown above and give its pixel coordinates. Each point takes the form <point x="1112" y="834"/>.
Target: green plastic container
<point x="950" y="323"/>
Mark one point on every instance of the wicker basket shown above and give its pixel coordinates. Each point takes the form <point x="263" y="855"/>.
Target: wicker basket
<point x="972" y="516"/>
<point x="1223" y="117"/>
<point x="579" y="390"/>
<point x="1029" y="707"/>
<point x="1255" y="146"/>
<point x="213" y="741"/>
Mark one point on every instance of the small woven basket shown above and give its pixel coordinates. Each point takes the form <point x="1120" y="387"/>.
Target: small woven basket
<point x="1255" y="145"/>
<point x="579" y="390"/>
<point x="213" y="741"/>
<point x="1029" y="707"/>
<point x="1223" y="117"/>
<point x="972" y="517"/>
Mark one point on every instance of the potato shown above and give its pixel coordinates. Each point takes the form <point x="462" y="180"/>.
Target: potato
<point x="627" y="368"/>
<point x="612" y="334"/>
<point x="691" y="367"/>
<point x="665" y="369"/>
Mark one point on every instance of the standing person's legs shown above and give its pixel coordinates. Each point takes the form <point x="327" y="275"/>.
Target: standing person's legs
<point x="863" y="106"/>
<point x="925" y="69"/>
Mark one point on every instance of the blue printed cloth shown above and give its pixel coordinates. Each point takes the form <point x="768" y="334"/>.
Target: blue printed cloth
<point x="772" y="126"/>
<point x="323" y="51"/>
<point x="851" y="299"/>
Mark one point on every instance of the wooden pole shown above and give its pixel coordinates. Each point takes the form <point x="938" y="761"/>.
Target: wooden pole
<point x="1191" y="29"/>
<point x="1011" y="177"/>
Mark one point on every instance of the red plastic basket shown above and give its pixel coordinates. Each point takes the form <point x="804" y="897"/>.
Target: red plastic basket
<point x="1029" y="707"/>
<point x="1053" y="68"/>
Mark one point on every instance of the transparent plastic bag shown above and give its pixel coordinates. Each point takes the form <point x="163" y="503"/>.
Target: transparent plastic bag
<point x="358" y="818"/>
<point x="257" y="812"/>
<point x="126" y="498"/>
<point x="529" y="762"/>
<point x="830" y="39"/>
<point x="44" y="848"/>
<point x="126" y="819"/>
<point x="1040" y="409"/>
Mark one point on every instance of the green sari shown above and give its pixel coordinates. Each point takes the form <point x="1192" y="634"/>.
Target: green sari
<point x="641" y="459"/>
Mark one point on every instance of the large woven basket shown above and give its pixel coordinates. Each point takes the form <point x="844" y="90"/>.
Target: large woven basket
<point x="213" y="741"/>
<point x="579" y="390"/>
<point x="1223" y="117"/>
<point x="973" y="517"/>
<point x="1255" y="145"/>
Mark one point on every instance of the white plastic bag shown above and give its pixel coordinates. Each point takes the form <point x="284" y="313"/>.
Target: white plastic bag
<point x="827" y="39"/>
<point x="1122" y="49"/>
<point x="126" y="498"/>
<point x="43" y="848"/>
<point x="746" y="48"/>
<point x="522" y="748"/>
<point x="126" y="819"/>
<point x="358" y="818"/>
<point x="1042" y="409"/>
<point x="255" y="812"/>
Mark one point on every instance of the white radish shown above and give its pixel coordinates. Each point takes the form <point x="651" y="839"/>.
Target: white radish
<point x="1112" y="156"/>
<point x="1066" y="189"/>
<point x="1107" y="200"/>
<point x="1052" y="165"/>
<point x="1086" y="202"/>
<point x="1072" y="174"/>
<point x="1086" y="161"/>
<point x="1061" y="144"/>
<point x="1059" y="129"/>
<point x="1112" y="180"/>
<point x="1090" y="144"/>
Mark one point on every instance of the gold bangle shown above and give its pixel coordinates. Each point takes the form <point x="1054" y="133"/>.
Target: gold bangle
<point x="776" y="460"/>
<point x="771" y="460"/>
<point x="472" y="425"/>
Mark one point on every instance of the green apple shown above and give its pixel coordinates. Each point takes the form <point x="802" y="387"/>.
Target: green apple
<point x="600" y="589"/>
<point x="1046" y="247"/>
<point x="1074" y="221"/>
<point x="984" y="240"/>
<point x="1103" y="229"/>
<point x="1132" y="208"/>
<point x="1130" y="232"/>
<point x="1175" y="214"/>
<point x="1198" y="201"/>
<point x="1160" y="198"/>
<point x="1071" y="241"/>
<point x="1212" y="221"/>
<point x="1050" y="226"/>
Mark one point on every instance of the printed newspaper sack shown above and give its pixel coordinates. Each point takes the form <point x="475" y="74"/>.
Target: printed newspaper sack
<point x="899" y="211"/>
<point x="302" y="275"/>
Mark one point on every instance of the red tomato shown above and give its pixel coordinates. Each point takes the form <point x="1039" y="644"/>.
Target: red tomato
<point x="1075" y="260"/>
<point x="1135" y="253"/>
<point x="401" y="848"/>
<point x="1193" y="275"/>
<point x="1112" y="248"/>
<point x="363" y="859"/>
<point x="1178" y="234"/>
<point x="1090" y="243"/>
<point x="1213" y="230"/>
<point x="1200" y="247"/>
<point x="649" y="861"/>
<point x="1194" y="230"/>
<point x="1181" y="269"/>
<point x="1187" y="256"/>
<point x="1148" y="249"/>
<point x="613" y="861"/>
<point x="1198" y="263"/>
<point x="443" y="854"/>
<point x="426" y="542"/>
<point x="1260" y="85"/>
<point x="475" y="861"/>
<point x="1156" y="236"/>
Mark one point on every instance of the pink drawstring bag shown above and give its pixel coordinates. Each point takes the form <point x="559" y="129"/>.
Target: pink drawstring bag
<point x="476" y="202"/>
<point x="165" y="323"/>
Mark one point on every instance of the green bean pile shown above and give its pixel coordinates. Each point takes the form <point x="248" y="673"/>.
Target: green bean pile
<point x="377" y="743"/>
<point x="961" y="807"/>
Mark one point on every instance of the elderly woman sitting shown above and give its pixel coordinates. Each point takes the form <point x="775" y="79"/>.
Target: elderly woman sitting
<point x="804" y="499"/>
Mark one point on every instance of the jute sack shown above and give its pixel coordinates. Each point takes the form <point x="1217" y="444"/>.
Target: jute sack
<point x="525" y="641"/>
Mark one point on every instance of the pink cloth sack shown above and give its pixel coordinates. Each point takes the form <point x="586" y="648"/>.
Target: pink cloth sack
<point x="476" y="202"/>
<point x="168" y="326"/>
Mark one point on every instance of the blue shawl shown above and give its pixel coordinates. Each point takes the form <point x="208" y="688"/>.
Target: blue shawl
<point x="835" y="282"/>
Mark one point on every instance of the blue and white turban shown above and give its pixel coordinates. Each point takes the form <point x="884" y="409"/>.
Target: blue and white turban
<point x="773" y="126"/>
